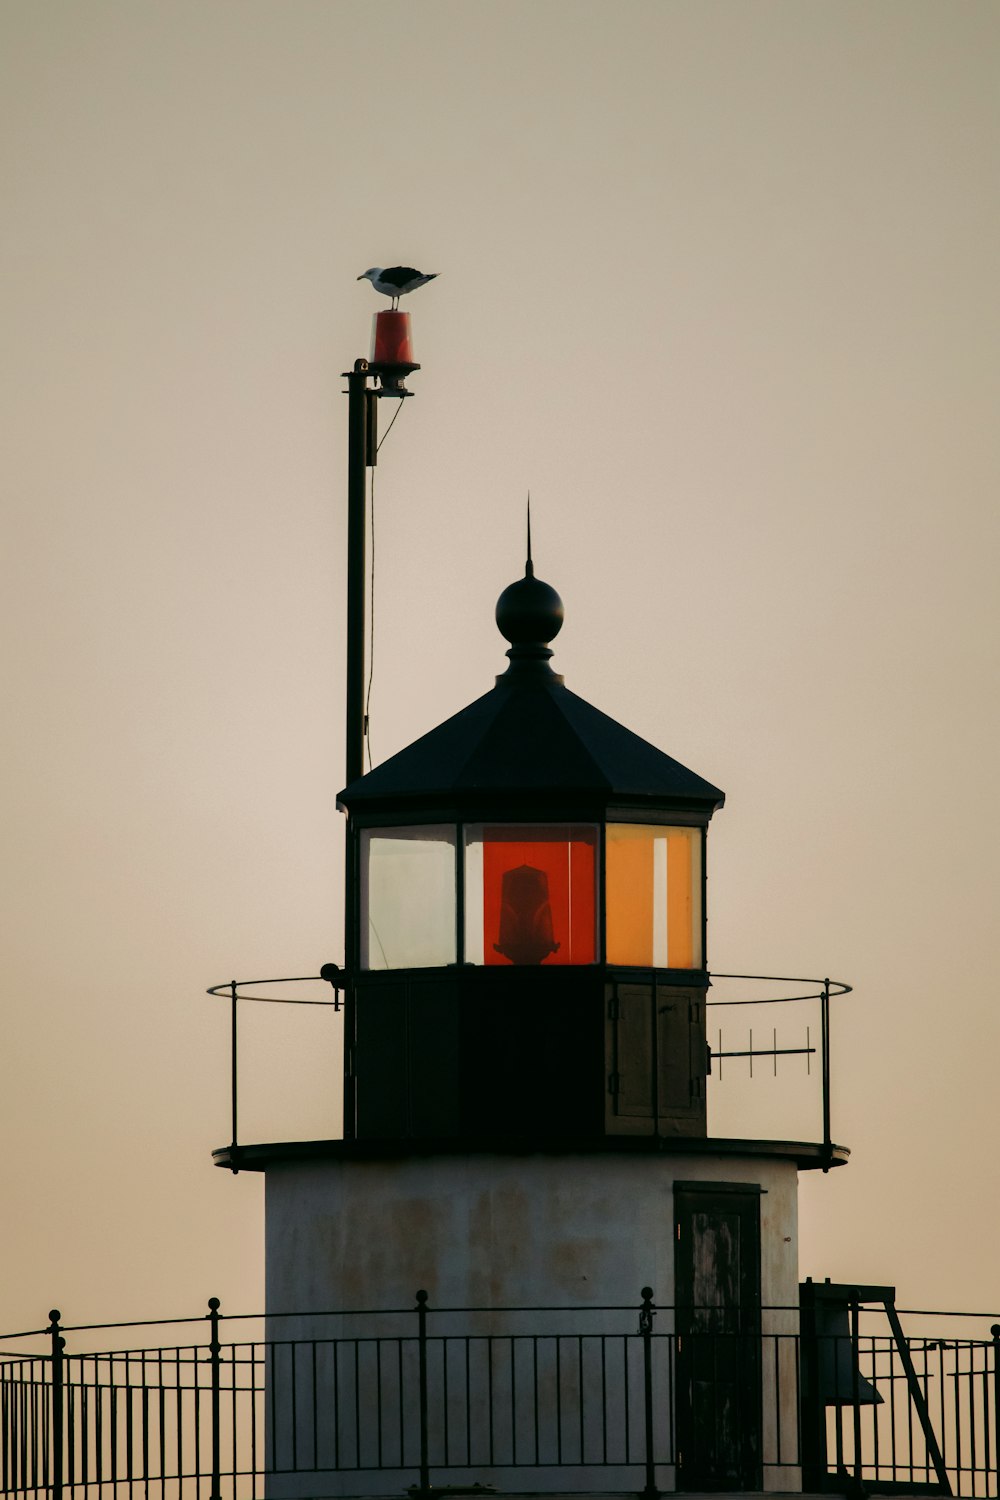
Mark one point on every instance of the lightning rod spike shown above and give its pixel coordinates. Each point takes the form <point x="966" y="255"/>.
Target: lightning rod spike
<point x="529" y="567"/>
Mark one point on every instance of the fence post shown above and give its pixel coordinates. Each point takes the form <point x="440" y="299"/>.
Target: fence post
<point x="425" y="1473"/>
<point x="58" y="1403"/>
<point x="234" y="1075"/>
<point x="647" y="1313"/>
<point x="215" y="1360"/>
<point x="995" y="1331"/>
<point x="812" y="1412"/>
<point x="855" y="1351"/>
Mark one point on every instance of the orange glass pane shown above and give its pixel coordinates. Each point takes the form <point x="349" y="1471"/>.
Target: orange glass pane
<point x="539" y="903"/>
<point x="629" y="876"/>
<point x="653" y="885"/>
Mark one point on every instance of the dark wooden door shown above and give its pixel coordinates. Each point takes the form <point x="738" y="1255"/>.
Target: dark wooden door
<point x="717" y="1279"/>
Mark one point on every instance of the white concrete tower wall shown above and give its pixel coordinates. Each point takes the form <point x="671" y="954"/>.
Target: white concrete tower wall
<point x="582" y="1233"/>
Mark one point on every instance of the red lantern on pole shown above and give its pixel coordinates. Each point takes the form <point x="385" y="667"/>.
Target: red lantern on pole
<point x="392" y="351"/>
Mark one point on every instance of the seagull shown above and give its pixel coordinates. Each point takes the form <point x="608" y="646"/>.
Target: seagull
<point x="396" y="281"/>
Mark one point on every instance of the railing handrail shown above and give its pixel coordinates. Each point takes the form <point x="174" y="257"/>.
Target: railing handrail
<point x="608" y="1394"/>
<point x="821" y="990"/>
<point x="832" y="989"/>
<point x="588" y="1310"/>
<point x="224" y="990"/>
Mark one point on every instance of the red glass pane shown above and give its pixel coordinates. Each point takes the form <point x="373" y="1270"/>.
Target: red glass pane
<point x="538" y="896"/>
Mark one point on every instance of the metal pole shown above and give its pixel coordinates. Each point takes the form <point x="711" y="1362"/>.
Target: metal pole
<point x="425" y="1472"/>
<point x="825" y="1031"/>
<point x="215" y="1359"/>
<point x="58" y="1345"/>
<point x="234" y="1075"/>
<point x="351" y="905"/>
<point x="646" y="1315"/>
<point x="361" y="448"/>
<point x="357" y="488"/>
<point x="995" y="1331"/>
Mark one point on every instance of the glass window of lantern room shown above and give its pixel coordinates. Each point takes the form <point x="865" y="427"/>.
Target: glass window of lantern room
<point x="408" y="918"/>
<point x="653" y="896"/>
<point x="531" y="893"/>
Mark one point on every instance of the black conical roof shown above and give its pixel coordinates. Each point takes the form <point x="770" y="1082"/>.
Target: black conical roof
<point x="530" y="740"/>
<point x="530" y="735"/>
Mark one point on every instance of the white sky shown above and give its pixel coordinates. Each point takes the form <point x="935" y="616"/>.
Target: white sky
<point x="718" y="282"/>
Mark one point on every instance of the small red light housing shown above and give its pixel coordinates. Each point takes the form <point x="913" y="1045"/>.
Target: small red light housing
<point x="392" y="341"/>
<point x="392" y="351"/>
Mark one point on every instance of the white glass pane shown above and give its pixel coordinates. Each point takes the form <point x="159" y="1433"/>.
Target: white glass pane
<point x="408" y="897"/>
<point x="474" y="927"/>
<point x="660" y="902"/>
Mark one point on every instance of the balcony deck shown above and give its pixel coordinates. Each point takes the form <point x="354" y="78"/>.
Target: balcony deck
<point x="769" y="1082"/>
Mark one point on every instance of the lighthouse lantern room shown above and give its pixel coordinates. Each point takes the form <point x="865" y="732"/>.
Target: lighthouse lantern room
<point x="529" y="931"/>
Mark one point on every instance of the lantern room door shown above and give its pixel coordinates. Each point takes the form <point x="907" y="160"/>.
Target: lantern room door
<point x="717" y="1300"/>
<point x="656" y="1059"/>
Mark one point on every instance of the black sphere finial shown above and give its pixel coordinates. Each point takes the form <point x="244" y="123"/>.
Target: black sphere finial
<point x="529" y="612"/>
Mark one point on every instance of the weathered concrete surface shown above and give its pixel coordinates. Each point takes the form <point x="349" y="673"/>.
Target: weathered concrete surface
<point x="496" y="1231"/>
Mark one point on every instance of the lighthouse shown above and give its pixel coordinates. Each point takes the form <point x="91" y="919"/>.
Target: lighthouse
<point x="526" y="1138"/>
<point x="530" y="1262"/>
<point x="548" y="1255"/>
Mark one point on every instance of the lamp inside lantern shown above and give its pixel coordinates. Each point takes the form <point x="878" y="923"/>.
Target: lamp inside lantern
<point x="526" y="935"/>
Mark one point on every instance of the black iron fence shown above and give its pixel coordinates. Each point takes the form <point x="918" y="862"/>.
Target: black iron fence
<point x="554" y="1400"/>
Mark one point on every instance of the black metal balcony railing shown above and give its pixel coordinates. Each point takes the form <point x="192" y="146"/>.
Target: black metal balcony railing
<point x="557" y="1399"/>
<point x="745" y="1012"/>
